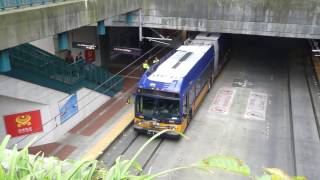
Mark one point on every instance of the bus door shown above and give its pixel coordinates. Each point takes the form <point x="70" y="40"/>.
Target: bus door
<point x="192" y="98"/>
<point x="186" y="109"/>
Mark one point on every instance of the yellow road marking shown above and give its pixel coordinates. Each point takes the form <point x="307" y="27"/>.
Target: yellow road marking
<point x="109" y="137"/>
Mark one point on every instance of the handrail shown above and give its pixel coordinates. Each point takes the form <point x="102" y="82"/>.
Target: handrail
<point x="7" y="4"/>
<point x="53" y="67"/>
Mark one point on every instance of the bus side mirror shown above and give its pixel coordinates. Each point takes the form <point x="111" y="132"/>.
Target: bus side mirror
<point x="185" y="115"/>
<point x="128" y="99"/>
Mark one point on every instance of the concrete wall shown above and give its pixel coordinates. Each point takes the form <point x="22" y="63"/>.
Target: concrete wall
<point x="284" y="18"/>
<point x="47" y="44"/>
<point x="10" y="105"/>
<point x="19" y="96"/>
<point x="88" y="102"/>
<point x="30" y="24"/>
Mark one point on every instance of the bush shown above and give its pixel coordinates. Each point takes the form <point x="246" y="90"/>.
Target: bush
<point x="19" y="165"/>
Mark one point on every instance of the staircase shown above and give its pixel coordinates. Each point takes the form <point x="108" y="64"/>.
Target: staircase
<point x="40" y="67"/>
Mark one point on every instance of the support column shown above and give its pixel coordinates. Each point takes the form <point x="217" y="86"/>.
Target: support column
<point x="5" y="65"/>
<point x="129" y="18"/>
<point x="105" y="48"/>
<point x="63" y="42"/>
<point x="101" y="28"/>
<point x="2" y="5"/>
<point x="184" y="35"/>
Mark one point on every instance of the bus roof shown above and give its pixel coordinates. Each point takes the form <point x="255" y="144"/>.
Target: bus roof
<point x="170" y="74"/>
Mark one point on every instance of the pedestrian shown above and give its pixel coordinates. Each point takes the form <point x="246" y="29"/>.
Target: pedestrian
<point x="79" y="57"/>
<point x="145" y="65"/>
<point x="69" y="58"/>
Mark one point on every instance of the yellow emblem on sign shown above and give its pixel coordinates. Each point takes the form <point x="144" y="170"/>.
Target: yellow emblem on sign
<point x="23" y="120"/>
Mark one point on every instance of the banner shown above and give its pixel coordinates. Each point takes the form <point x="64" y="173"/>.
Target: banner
<point x="127" y="50"/>
<point x="23" y="123"/>
<point x="69" y="108"/>
<point x="90" y="55"/>
<point x="83" y="45"/>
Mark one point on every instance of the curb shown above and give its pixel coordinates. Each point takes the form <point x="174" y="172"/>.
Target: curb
<point x="109" y="137"/>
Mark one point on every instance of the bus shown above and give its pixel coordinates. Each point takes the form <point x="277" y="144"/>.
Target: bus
<point x="171" y="91"/>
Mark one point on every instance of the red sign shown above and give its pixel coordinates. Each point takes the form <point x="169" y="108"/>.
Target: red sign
<point x="23" y="123"/>
<point x="90" y="55"/>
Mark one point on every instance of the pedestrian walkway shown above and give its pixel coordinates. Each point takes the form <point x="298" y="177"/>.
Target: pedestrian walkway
<point x="92" y="135"/>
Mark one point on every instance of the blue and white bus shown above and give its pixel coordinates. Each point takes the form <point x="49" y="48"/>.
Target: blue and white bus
<point x="170" y="92"/>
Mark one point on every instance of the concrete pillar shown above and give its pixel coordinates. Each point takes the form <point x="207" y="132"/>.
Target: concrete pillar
<point x="4" y="61"/>
<point x="183" y="35"/>
<point x="129" y="18"/>
<point x="105" y="48"/>
<point x="101" y="28"/>
<point x="63" y="41"/>
<point x="2" y="5"/>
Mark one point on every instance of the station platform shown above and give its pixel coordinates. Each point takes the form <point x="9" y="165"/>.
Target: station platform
<point x="91" y="136"/>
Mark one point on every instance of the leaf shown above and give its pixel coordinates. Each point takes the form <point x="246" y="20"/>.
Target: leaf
<point x="76" y="171"/>
<point x="137" y="166"/>
<point x="226" y="163"/>
<point x="58" y="172"/>
<point x="5" y="142"/>
<point x="100" y="174"/>
<point x="27" y="177"/>
<point x="299" y="178"/>
<point x="91" y="170"/>
<point x="13" y="163"/>
<point x="2" y="173"/>
<point x="277" y="174"/>
<point x="3" y="147"/>
<point x="264" y="177"/>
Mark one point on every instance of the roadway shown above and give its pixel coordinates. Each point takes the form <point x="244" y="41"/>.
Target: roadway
<point x="254" y="112"/>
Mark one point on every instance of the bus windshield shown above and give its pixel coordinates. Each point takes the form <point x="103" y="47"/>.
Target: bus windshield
<point x="157" y="108"/>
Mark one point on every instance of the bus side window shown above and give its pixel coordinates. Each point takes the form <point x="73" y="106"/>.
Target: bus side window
<point x="198" y="86"/>
<point x="185" y="107"/>
<point x="192" y="94"/>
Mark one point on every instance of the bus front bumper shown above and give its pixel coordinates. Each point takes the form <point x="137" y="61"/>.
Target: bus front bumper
<point x="151" y="132"/>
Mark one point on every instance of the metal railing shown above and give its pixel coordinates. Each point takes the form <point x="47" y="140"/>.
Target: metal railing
<point x="47" y="65"/>
<point x="9" y="4"/>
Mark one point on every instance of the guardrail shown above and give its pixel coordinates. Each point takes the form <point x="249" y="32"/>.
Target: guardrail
<point x="9" y="4"/>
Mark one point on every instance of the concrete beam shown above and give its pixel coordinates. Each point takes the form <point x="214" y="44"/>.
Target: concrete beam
<point x="28" y="24"/>
<point x="285" y="18"/>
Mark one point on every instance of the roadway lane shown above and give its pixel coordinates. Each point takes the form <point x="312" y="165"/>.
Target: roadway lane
<point x="260" y="133"/>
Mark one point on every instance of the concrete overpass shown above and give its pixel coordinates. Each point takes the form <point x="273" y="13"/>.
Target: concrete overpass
<point x="285" y="18"/>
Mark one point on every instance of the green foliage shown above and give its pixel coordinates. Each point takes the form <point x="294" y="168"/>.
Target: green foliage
<point x="229" y="164"/>
<point x="19" y="165"/>
<point x="277" y="174"/>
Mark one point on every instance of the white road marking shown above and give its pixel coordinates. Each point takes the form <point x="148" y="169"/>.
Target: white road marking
<point x="256" y="106"/>
<point x="223" y="100"/>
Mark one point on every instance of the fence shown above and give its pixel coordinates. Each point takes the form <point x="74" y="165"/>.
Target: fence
<point x="9" y="4"/>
